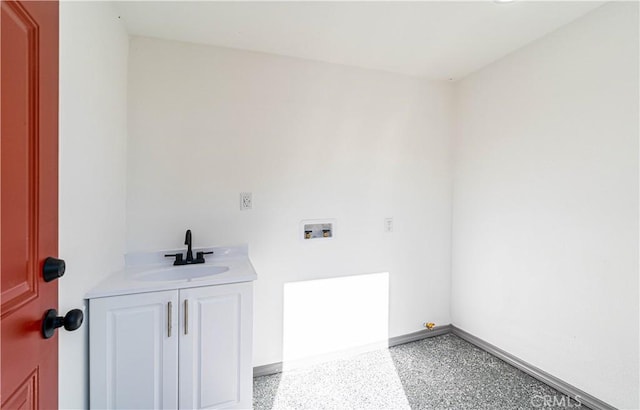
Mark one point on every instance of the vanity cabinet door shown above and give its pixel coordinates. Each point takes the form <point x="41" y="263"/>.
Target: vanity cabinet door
<point x="134" y="351"/>
<point x="215" y="347"/>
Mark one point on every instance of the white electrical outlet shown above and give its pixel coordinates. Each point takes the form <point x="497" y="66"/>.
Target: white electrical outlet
<point x="246" y="202"/>
<point x="388" y="224"/>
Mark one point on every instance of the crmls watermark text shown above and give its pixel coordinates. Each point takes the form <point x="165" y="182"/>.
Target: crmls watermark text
<point x="541" y="401"/>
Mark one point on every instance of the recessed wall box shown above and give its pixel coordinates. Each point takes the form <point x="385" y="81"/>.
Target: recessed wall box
<point x="313" y="229"/>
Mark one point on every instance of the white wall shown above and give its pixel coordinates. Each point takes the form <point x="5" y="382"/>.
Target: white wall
<point x="309" y="140"/>
<point x="93" y="80"/>
<point x="545" y="220"/>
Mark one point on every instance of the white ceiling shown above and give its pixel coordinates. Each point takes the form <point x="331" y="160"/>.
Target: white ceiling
<point x="435" y="39"/>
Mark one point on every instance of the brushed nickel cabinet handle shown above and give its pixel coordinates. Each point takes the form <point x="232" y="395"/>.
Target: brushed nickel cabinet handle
<point x="169" y="313"/>
<point x="186" y="316"/>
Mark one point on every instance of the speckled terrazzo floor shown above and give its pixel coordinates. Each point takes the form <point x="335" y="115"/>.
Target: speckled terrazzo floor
<point x="443" y="372"/>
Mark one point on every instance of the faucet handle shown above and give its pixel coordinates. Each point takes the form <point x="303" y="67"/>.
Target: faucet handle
<point x="200" y="255"/>
<point x="178" y="257"/>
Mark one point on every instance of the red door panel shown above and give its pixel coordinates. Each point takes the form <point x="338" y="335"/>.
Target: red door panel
<point x="28" y="201"/>
<point x="19" y="279"/>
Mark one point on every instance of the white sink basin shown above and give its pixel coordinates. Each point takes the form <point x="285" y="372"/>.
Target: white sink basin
<point x="186" y="272"/>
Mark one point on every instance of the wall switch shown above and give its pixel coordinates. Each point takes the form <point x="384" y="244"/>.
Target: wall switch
<point x="388" y="224"/>
<point x="245" y="201"/>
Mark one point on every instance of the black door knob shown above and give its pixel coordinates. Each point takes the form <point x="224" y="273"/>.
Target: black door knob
<point x="71" y="321"/>
<point x="52" y="269"/>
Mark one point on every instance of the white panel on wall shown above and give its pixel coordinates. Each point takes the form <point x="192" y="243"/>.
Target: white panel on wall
<point x="326" y="317"/>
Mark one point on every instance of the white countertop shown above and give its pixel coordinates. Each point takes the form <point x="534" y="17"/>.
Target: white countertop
<point x="124" y="282"/>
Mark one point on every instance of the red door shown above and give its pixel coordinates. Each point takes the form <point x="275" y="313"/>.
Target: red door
<point x="29" y="202"/>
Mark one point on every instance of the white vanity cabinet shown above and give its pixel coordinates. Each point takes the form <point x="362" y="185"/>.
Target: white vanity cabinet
<point x="186" y="348"/>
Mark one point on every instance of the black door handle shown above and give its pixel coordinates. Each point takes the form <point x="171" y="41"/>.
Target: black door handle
<point x="53" y="268"/>
<point x="71" y="321"/>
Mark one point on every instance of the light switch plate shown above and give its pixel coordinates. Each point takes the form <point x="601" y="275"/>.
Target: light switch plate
<point x="388" y="225"/>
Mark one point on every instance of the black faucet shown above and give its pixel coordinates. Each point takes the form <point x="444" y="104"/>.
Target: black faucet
<point x="187" y="241"/>
<point x="190" y="260"/>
